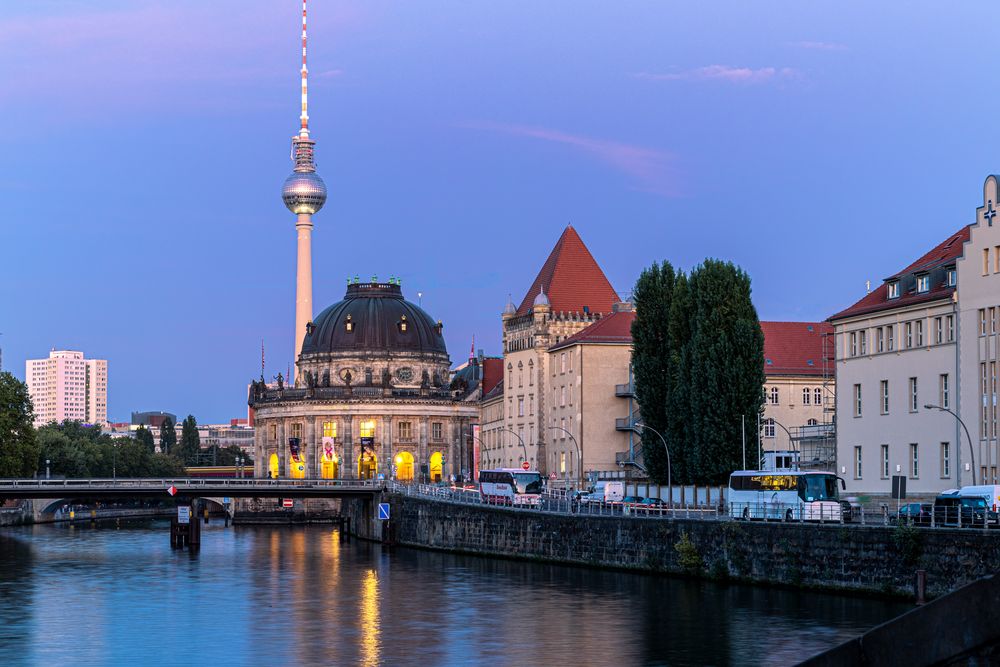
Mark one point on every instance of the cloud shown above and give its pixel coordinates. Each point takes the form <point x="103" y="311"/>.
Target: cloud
<point x="738" y="75"/>
<point x="653" y="170"/>
<point x="819" y="46"/>
<point x="330" y="73"/>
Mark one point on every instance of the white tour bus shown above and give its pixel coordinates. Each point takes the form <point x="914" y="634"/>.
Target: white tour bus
<point x="787" y="495"/>
<point x="511" y="486"/>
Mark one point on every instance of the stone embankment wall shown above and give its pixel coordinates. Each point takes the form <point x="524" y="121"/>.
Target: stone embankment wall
<point x="873" y="559"/>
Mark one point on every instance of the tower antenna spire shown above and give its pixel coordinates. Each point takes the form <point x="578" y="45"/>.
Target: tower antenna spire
<point x="304" y="132"/>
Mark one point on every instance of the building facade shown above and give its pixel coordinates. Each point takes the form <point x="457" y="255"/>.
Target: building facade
<point x="569" y="294"/>
<point x="67" y="386"/>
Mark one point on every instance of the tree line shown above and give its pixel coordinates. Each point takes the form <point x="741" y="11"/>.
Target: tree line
<point x="698" y="366"/>
<point x="73" y="449"/>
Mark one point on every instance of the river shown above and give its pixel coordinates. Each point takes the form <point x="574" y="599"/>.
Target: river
<point x="116" y="594"/>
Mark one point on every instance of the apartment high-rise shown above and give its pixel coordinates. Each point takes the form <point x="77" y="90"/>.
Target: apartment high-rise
<point x="68" y="387"/>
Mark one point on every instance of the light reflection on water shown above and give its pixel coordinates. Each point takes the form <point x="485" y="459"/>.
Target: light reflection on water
<point x="287" y="596"/>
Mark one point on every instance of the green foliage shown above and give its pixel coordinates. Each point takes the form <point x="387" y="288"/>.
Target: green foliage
<point x="145" y="437"/>
<point x="687" y="554"/>
<point x="18" y="440"/>
<point x="190" y="445"/>
<point x="76" y="450"/>
<point x="222" y="456"/>
<point x="909" y="541"/>
<point x="698" y="364"/>
<point x="168" y="436"/>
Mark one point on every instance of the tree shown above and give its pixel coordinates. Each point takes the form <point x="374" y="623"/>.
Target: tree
<point x="653" y="296"/>
<point x="190" y="441"/>
<point x="168" y="436"/>
<point x="679" y="402"/>
<point x="725" y="358"/>
<point x="79" y="451"/>
<point x="145" y="437"/>
<point x="18" y="440"/>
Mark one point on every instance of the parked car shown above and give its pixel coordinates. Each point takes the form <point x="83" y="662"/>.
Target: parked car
<point x="951" y="508"/>
<point x="651" y="506"/>
<point x="916" y="514"/>
<point x="630" y="503"/>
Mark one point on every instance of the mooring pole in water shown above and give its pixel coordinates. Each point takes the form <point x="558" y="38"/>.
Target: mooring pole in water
<point x="920" y="586"/>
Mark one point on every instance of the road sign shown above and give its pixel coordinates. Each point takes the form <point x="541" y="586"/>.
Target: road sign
<point x="552" y="475"/>
<point x="288" y="502"/>
<point x="172" y="490"/>
<point x="225" y="501"/>
<point x="183" y="514"/>
<point x="381" y="477"/>
<point x="383" y="511"/>
<point x="525" y="465"/>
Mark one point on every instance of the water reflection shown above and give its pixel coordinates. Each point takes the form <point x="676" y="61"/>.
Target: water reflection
<point x="281" y="595"/>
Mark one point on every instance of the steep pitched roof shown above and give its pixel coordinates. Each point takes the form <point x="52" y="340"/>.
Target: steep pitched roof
<point x="614" y="329"/>
<point x="796" y="348"/>
<point x="572" y="279"/>
<point x="942" y="254"/>
<point x="492" y="373"/>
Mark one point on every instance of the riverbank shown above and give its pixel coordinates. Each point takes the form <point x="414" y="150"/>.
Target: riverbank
<point x="28" y="514"/>
<point x="876" y="560"/>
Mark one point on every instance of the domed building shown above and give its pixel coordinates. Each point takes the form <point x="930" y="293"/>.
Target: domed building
<point x="372" y="396"/>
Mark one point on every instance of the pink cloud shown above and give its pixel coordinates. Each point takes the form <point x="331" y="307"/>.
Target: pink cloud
<point x="740" y="75"/>
<point x="653" y="170"/>
<point x="819" y="46"/>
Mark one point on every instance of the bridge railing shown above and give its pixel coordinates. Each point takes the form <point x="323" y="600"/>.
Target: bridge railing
<point x="185" y="483"/>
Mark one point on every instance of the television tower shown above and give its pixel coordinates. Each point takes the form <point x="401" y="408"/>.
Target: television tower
<point x="304" y="193"/>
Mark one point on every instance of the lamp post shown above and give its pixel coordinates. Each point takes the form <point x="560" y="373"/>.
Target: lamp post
<point x="47" y="476"/>
<point x="579" y="451"/>
<point x="972" y="453"/>
<point x="521" y="440"/>
<point x="239" y="467"/>
<point x="670" y="487"/>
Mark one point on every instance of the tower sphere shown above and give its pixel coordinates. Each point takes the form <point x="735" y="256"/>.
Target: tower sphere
<point x="304" y="192"/>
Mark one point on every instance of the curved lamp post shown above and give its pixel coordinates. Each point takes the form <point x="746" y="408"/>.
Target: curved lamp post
<point x="521" y="440"/>
<point x="670" y="486"/>
<point x="972" y="453"/>
<point x="579" y="451"/>
<point x="790" y="441"/>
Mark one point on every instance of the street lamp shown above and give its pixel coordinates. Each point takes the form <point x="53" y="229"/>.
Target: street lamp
<point x="972" y="453"/>
<point x="670" y="488"/>
<point x="239" y="466"/>
<point x="47" y="476"/>
<point x="521" y="440"/>
<point x="578" y="450"/>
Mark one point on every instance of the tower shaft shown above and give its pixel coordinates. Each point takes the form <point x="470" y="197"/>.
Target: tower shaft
<point x="303" y="280"/>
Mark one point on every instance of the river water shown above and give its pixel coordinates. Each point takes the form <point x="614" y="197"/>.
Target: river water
<point x="116" y="594"/>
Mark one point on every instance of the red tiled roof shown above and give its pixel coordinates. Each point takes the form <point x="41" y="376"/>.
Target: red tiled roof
<point x="492" y="373"/>
<point x="615" y="328"/>
<point x="795" y="348"/>
<point x="878" y="299"/>
<point x="571" y="279"/>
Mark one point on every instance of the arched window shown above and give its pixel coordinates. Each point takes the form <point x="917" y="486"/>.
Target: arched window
<point x="811" y="422"/>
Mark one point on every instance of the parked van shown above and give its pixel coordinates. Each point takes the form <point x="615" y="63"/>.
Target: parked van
<point x="990" y="493"/>
<point x="614" y="492"/>
<point x="954" y="508"/>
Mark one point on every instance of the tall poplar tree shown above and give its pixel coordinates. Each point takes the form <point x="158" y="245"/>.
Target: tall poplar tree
<point x="190" y="441"/>
<point x="678" y="412"/>
<point x="168" y="436"/>
<point x="653" y="295"/>
<point x="726" y="366"/>
<point x="145" y="437"/>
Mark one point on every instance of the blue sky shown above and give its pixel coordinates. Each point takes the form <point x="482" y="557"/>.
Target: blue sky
<point x="818" y="145"/>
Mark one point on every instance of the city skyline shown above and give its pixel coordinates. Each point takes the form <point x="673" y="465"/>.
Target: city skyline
<point x="661" y="135"/>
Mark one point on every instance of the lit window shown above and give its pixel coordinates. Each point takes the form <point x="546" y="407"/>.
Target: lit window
<point x="349" y="324"/>
<point x="367" y="429"/>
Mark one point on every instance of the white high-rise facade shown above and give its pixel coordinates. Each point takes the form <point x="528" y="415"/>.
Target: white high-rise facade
<point x="68" y="387"/>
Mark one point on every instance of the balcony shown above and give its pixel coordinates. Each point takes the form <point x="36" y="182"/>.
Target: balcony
<point x="625" y="390"/>
<point x="624" y="424"/>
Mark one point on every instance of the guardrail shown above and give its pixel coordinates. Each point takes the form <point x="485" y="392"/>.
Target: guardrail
<point x="184" y="482"/>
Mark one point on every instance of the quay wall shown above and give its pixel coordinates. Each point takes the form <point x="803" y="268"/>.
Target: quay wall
<point x="873" y="559"/>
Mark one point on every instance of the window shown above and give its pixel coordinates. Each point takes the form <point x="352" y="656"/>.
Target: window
<point x="914" y="404"/>
<point x="950" y="328"/>
<point x="857" y="462"/>
<point x="329" y="429"/>
<point x="879" y="339"/>
<point x="367" y="428"/>
<point x="769" y="428"/>
<point x="857" y="400"/>
<point x="817" y="396"/>
<point x="938" y="330"/>
<point x="297" y="430"/>
<point x="945" y="460"/>
<point x="923" y="283"/>
<point x="920" y="333"/>
<point x="993" y="320"/>
<point x="890" y="334"/>
<point x="531" y="404"/>
<point x="943" y="390"/>
<point x="885" y="461"/>
<point x="273" y="432"/>
<point x="863" y="335"/>
<point x="894" y="289"/>
<point x="982" y="392"/>
<point x="531" y="373"/>
<point x="982" y="321"/>
<point x="909" y="335"/>
<point x="805" y="396"/>
<point x="996" y="255"/>
<point x="986" y="261"/>
<point x="520" y="406"/>
<point x="884" y="392"/>
<point x="405" y="430"/>
<point x="562" y="396"/>
<point x="993" y="394"/>
<point x="950" y="277"/>
<point x="854" y="344"/>
<point x="562" y="362"/>
<point x="914" y="461"/>
<point x="437" y="430"/>
<point x="774" y="396"/>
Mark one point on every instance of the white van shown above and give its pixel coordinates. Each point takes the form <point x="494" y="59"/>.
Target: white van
<point x="614" y="492"/>
<point x="991" y="493"/>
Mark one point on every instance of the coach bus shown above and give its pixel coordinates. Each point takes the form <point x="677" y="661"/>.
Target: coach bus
<point x="785" y="495"/>
<point x="511" y="486"/>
